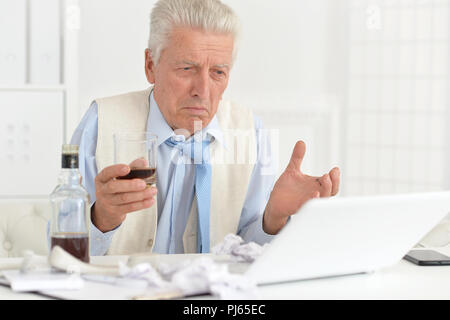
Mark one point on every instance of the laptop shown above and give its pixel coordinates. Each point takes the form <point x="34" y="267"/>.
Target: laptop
<point x="341" y="236"/>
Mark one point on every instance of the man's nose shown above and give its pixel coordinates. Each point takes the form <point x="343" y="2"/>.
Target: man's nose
<point x="200" y="85"/>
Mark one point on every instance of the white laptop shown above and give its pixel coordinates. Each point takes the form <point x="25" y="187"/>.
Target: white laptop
<point x="339" y="236"/>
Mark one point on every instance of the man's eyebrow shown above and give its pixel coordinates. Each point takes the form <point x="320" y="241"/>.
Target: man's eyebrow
<point x="188" y="62"/>
<point x="223" y="65"/>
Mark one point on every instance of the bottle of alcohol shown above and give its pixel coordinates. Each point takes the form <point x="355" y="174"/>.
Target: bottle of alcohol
<point x="69" y="227"/>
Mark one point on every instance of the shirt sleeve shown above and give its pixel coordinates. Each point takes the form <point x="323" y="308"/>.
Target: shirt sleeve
<point x="85" y="136"/>
<point x="260" y="187"/>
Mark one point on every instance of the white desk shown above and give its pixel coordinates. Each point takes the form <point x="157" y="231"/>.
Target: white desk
<point x="401" y="281"/>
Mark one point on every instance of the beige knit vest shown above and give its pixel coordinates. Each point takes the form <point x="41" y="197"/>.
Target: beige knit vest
<point x="232" y="166"/>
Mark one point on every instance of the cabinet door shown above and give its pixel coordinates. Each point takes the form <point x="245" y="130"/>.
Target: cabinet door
<point x="31" y="134"/>
<point x="13" y="42"/>
<point x="45" y="40"/>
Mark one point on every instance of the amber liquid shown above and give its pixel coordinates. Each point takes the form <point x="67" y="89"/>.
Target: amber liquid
<point x="77" y="244"/>
<point x="146" y="174"/>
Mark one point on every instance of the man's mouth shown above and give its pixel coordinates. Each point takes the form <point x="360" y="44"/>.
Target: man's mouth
<point x="196" y="110"/>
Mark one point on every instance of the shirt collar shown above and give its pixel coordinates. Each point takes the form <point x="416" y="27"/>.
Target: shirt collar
<point x="157" y="124"/>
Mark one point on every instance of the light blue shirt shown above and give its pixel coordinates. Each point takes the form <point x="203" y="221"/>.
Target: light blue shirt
<point x="261" y="182"/>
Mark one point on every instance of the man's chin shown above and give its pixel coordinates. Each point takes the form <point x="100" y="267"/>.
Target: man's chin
<point x="198" y="124"/>
<point x="195" y="124"/>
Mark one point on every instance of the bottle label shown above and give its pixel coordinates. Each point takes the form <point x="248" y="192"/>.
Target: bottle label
<point x="69" y="161"/>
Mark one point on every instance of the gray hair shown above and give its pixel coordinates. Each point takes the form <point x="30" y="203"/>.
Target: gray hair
<point x="208" y="15"/>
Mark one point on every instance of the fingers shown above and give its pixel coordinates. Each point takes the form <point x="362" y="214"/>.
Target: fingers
<point x="121" y="195"/>
<point x="112" y="208"/>
<point x="130" y="197"/>
<point x="297" y="156"/>
<point x="136" y="206"/>
<point x="112" y="215"/>
<point x="325" y="185"/>
<point x="329" y="183"/>
<point x="108" y="213"/>
<point x="111" y="172"/>
<point x="335" y="176"/>
<point x="121" y="186"/>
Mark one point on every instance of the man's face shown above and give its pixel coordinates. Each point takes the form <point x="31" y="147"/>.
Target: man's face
<point x="191" y="76"/>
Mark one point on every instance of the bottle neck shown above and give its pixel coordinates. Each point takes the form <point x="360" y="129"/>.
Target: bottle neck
<point x="70" y="176"/>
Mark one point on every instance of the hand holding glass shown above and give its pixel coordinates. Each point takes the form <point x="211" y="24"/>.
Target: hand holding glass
<point x="138" y="150"/>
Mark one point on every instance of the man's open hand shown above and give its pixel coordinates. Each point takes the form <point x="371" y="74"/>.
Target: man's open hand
<point x="294" y="188"/>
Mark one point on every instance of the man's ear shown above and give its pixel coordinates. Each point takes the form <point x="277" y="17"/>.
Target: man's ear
<point x="149" y="67"/>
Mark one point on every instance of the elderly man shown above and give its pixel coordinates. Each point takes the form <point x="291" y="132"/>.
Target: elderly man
<point x="191" y="50"/>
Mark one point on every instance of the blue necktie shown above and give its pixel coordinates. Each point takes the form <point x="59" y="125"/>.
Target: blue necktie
<point x="198" y="152"/>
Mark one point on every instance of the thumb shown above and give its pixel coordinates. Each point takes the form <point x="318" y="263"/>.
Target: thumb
<point x="139" y="163"/>
<point x="113" y="171"/>
<point x="297" y="156"/>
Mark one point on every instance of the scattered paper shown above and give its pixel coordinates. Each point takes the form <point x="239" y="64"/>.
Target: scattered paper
<point x="42" y="280"/>
<point x="142" y="271"/>
<point x="204" y="276"/>
<point x="229" y="243"/>
<point x="117" y="281"/>
<point x="232" y="245"/>
<point x="197" y="276"/>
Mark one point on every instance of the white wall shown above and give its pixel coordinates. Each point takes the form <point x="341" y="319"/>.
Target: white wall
<point x="112" y="39"/>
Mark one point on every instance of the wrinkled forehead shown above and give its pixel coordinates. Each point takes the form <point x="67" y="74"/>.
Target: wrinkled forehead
<point x="196" y="46"/>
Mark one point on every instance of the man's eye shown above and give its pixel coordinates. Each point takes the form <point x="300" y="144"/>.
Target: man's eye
<point x="186" y="68"/>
